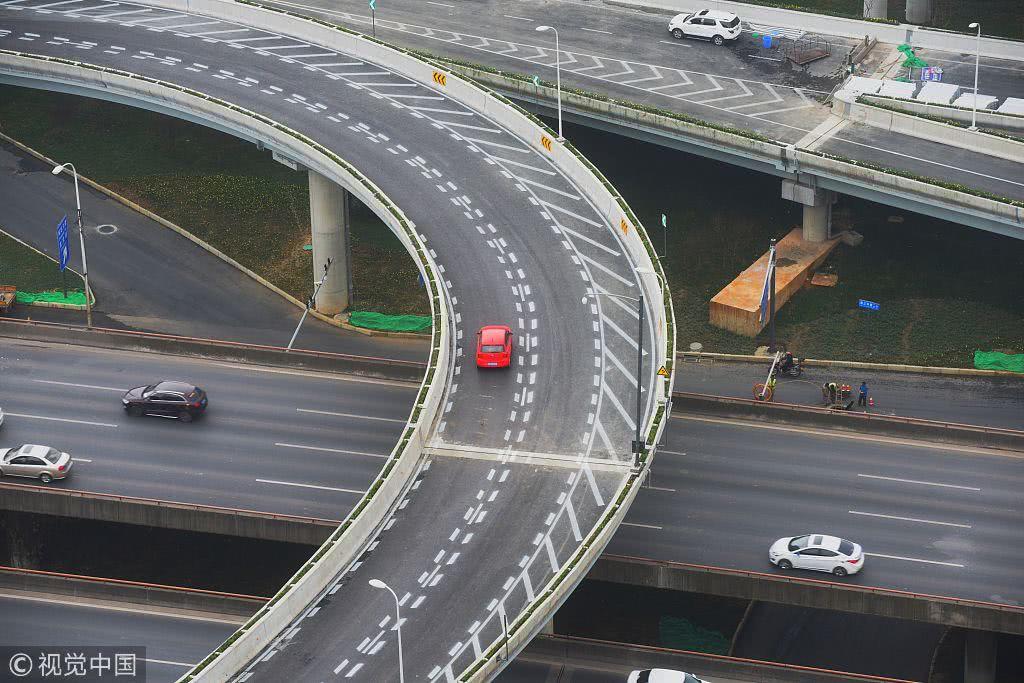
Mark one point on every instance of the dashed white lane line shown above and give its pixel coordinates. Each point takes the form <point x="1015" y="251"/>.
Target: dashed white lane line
<point x="439" y="4"/>
<point x="61" y="419"/>
<point x="352" y="415"/>
<point x="81" y="386"/>
<point x="915" y="559"/>
<point x="908" y="519"/>
<point x="509" y="16"/>
<point x="595" y="30"/>
<point x="331" y="450"/>
<point x="310" y="486"/>
<point x="917" y="481"/>
<point x="674" y="42"/>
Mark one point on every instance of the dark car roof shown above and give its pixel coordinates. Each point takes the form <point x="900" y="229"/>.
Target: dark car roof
<point x="175" y="387"/>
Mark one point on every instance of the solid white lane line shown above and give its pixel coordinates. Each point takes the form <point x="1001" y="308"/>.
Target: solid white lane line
<point x="594" y="30"/>
<point x="660" y="488"/>
<point x="353" y="415"/>
<point x="908" y="519"/>
<point x="913" y="559"/>
<point x="550" y="189"/>
<point x="310" y="486"/>
<point x="82" y="386"/>
<point x="439" y="4"/>
<point x="916" y="481"/>
<point x="319" y="375"/>
<point x="522" y="165"/>
<point x="61" y="419"/>
<point x="330" y="450"/>
<point x="586" y="239"/>
<point x="643" y="526"/>
<point x="168" y="663"/>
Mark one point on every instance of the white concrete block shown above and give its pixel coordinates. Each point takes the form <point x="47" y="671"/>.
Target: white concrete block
<point x="967" y="100"/>
<point x="938" y="93"/>
<point x="902" y="89"/>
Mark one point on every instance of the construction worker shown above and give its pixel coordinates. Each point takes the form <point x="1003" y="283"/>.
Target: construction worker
<point x="862" y="397"/>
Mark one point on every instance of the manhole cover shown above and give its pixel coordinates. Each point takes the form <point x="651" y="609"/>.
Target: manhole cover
<point x="696" y="346"/>
<point x="106" y="229"/>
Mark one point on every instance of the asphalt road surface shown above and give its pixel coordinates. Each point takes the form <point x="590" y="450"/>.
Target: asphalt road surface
<point x="519" y="244"/>
<point x="988" y="401"/>
<point x="279" y="441"/>
<point x="629" y="55"/>
<point x="932" y="519"/>
<point x="56" y="623"/>
<point x="147" y="277"/>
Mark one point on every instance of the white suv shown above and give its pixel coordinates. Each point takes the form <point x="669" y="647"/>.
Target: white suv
<point x="712" y="25"/>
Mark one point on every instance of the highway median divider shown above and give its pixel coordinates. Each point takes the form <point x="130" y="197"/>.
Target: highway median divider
<point x="849" y="421"/>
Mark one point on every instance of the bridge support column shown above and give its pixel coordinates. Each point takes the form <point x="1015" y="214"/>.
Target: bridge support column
<point x="817" y="225"/>
<point x="328" y="214"/>
<point x="876" y="9"/>
<point x="980" y="657"/>
<point x="548" y="629"/>
<point x="919" y="11"/>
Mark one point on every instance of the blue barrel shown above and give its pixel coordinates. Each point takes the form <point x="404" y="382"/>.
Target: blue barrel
<point x="766" y="41"/>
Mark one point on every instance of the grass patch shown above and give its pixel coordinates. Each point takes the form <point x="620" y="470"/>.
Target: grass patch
<point x="223" y="190"/>
<point x="30" y="271"/>
<point x="945" y="289"/>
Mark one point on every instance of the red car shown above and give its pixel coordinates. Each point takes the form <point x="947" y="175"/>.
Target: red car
<point x="494" y="346"/>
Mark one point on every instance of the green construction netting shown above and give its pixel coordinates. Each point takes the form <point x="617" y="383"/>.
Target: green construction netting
<point x="679" y="634"/>
<point x="75" y="296"/>
<point x="390" y="323"/>
<point x="911" y="60"/>
<point x="993" y="360"/>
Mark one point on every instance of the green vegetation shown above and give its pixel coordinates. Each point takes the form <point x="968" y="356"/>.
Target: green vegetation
<point x="945" y="290"/>
<point x="30" y="271"/>
<point x="221" y="189"/>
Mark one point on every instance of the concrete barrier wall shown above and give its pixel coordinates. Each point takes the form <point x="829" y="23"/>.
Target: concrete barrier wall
<point x="162" y="514"/>
<point x="819" y="594"/>
<point x="986" y="117"/>
<point x="385" y="368"/>
<point x="887" y="425"/>
<point x="134" y="592"/>
<point x="589" y="652"/>
<point x="827" y="25"/>
<point x="846" y="105"/>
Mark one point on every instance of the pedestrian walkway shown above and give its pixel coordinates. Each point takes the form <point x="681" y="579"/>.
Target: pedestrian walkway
<point x="985" y="401"/>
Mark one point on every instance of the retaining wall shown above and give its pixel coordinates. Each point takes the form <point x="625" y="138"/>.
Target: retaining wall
<point x="986" y="118"/>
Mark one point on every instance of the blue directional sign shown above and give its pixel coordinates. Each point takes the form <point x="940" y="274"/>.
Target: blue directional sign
<point x="869" y="305"/>
<point x="62" y="243"/>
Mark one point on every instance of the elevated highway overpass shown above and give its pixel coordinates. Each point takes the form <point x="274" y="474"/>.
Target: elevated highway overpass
<point x="750" y="109"/>
<point x="508" y="225"/>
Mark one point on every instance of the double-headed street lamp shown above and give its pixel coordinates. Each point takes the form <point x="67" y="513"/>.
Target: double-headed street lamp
<point x="977" y="58"/>
<point x="558" y="76"/>
<point x="377" y="583"/>
<point x="81" y="239"/>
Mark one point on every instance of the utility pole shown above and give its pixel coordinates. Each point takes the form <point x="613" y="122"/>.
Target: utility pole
<point x="310" y="303"/>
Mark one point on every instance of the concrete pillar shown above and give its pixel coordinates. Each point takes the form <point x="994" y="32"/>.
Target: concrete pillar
<point x="876" y="9"/>
<point x="328" y="214"/>
<point x="919" y="11"/>
<point x="817" y="203"/>
<point x="980" y="657"/>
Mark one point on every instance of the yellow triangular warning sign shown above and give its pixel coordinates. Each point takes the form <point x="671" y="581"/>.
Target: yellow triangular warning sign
<point x="663" y="372"/>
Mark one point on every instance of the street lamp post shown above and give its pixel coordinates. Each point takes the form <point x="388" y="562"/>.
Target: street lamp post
<point x="81" y="238"/>
<point x="377" y="583"/>
<point x="558" y="76"/>
<point x="638" y="441"/>
<point x="977" y="58"/>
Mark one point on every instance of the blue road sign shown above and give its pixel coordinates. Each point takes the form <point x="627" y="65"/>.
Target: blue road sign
<point x="373" y="4"/>
<point x="931" y="73"/>
<point x="869" y="305"/>
<point x="62" y="243"/>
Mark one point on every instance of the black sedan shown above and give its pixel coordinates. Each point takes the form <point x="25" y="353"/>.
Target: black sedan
<point x="166" y="399"/>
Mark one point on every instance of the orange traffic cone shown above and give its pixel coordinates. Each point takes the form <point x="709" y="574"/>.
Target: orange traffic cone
<point x="871" y="402"/>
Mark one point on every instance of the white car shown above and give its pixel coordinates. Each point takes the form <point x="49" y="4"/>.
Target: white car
<point x="36" y="462"/>
<point x="818" y="552"/>
<point x="662" y="676"/>
<point x="707" y="24"/>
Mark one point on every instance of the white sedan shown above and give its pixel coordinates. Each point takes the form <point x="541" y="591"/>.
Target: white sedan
<point x="662" y="676"/>
<point x="817" y="552"/>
